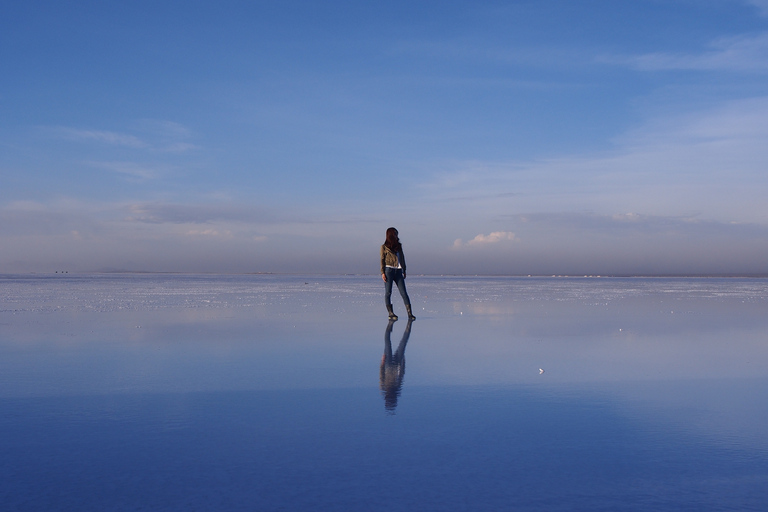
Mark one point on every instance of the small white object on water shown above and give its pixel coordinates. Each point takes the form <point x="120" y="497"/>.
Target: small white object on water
<point x="619" y="330"/>
<point x="541" y="371"/>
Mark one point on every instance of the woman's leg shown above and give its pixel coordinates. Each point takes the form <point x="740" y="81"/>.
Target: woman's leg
<point x="400" y="282"/>
<point x="389" y="273"/>
<point x="390" y="276"/>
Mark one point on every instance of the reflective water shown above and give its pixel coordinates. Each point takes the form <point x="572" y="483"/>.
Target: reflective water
<point x="178" y="392"/>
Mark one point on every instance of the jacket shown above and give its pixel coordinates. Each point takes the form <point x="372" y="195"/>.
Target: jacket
<point x="390" y="259"/>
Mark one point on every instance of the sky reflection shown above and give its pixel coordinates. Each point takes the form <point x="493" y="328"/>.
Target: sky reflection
<point x="243" y="392"/>
<point x="192" y="333"/>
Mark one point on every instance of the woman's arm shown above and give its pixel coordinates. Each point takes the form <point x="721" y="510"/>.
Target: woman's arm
<point x="382" y="254"/>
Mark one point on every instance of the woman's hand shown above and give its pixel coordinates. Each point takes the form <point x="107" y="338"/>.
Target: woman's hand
<point x="384" y="277"/>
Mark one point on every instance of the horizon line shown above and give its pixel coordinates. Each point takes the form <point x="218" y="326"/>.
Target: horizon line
<point x="733" y="275"/>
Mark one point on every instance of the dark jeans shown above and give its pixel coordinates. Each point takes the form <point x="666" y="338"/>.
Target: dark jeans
<point x="395" y="275"/>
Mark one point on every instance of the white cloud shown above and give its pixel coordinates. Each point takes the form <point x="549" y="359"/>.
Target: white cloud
<point x="620" y="225"/>
<point x="481" y="239"/>
<point x="178" y="147"/>
<point x="156" y="136"/>
<point x="27" y="218"/>
<point x="107" y="137"/>
<point x="165" y="136"/>
<point x="94" y="236"/>
<point x="24" y="206"/>
<point x="710" y="163"/>
<point x="129" y="169"/>
<point x="162" y="128"/>
<point x="162" y="213"/>
<point x="627" y="217"/>
<point x="208" y="232"/>
<point x="762" y="6"/>
<point x="741" y="53"/>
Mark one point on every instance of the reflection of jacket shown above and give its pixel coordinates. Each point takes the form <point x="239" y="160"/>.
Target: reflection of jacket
<point x="391" y="259"/>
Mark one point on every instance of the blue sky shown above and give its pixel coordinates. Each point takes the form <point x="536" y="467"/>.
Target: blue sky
<point x="517" y="137"/>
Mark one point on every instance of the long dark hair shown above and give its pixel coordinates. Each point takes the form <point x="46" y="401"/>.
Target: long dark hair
<point x="392" y="241"/>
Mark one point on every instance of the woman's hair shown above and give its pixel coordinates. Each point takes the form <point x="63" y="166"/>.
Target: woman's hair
<point x="392" y="241"/>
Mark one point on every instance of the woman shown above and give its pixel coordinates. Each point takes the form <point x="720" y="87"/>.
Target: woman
<point x="393" y="271"/>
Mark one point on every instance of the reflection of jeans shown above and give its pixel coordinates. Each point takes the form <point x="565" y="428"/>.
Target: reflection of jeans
<point x="398" y="358"/>
<point x="392" y="368"/>
<point x="396" y="275"/>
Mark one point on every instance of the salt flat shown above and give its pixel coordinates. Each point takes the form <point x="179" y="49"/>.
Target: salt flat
<point x="266" y="392"/>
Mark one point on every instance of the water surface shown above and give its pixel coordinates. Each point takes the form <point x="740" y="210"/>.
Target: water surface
<point x="189" y="392"/>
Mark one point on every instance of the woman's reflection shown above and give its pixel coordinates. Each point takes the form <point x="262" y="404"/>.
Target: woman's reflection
<point x="392" y="368"/>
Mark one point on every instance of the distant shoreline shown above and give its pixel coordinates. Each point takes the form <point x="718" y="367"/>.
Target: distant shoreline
<point x="317" y="274"/>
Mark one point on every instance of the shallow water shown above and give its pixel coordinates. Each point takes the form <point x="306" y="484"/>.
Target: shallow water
<point x="189" y="392"/>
